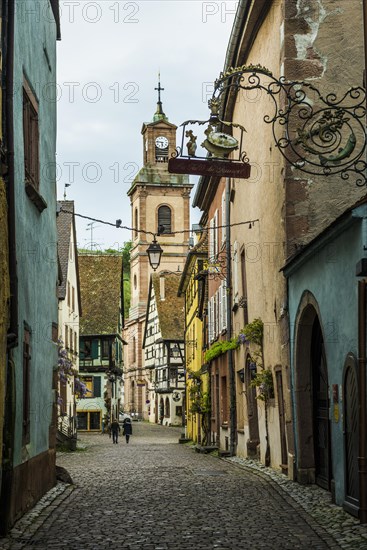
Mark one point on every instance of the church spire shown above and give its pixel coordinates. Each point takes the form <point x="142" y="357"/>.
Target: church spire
<point x="159" y="114"/>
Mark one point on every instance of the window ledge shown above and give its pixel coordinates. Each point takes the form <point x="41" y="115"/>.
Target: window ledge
<point x="35" y="197"/>
<point x="224" y="426"/>
<point x="240" y="431"/>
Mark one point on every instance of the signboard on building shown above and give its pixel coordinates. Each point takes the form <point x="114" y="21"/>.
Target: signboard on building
<point x="209" y="167"/>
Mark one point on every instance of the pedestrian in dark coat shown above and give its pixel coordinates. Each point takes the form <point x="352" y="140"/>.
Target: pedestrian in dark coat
<point x="128" y="429"/>
<point x="115" y="429"/>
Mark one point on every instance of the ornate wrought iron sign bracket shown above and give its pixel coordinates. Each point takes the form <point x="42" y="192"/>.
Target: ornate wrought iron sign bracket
<point x="318" y="135"/>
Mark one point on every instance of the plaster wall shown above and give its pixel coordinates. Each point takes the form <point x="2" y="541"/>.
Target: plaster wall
<point x="69" y="317"/>
<point x="193" y="352"/>
<point x="36" y="232"/>
<point x="262" y="197"/>
<point x="329" y="275"/>
<point x="323" y="43"/>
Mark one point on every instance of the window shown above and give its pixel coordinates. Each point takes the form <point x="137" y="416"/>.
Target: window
<point x="90" y="420"/>
<point x="75" y="342"/>
<point x="73" y="299"/>
<point x="71" y="338"/>
<point x="235" y="272"/>
<point x="68" y="294"/>
<point x="105" y="349"/>
<point x="165" y="219"/>
<point x="31" y="137"/>
<point x="216" y="232"/>
<point x="66" y="337"/>
<point x="88" y="381"/>
<point x="26" y="384"/>
<point x="244" y="287"/>
<point x="220" y="309"/>
<point x="88" y="349"/>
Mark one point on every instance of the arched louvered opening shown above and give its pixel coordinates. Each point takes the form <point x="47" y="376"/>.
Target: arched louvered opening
<point x="164" y="219"/>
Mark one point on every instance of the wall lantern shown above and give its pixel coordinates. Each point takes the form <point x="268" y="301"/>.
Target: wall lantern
<point x="241" y="374"/>
<point x="154" y="254"/>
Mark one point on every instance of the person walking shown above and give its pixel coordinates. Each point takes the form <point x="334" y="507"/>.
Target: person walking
<point x="128" y="429"/>
<point x="115" y="429"/>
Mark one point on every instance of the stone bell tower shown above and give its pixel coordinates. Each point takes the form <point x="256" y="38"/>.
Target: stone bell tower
<point x="158" y="199"/>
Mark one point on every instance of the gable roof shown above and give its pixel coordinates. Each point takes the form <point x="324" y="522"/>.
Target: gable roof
<point x="101" y="291"/>
<point x="171" y="310"/>
<point x="66" y="234"/>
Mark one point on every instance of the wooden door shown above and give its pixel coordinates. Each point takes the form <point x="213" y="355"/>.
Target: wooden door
<point x="281" y="409"/>
<point x="351" y="440"/>
<point x="321" y="423"/>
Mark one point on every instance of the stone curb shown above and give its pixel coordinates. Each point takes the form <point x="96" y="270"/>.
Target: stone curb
<point x="27" y="526"/>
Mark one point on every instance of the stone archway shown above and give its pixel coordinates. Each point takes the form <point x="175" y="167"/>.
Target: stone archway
<point x="311" y="393"/>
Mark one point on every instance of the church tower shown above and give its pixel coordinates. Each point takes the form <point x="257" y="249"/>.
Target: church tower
<point x="158" y="200"/>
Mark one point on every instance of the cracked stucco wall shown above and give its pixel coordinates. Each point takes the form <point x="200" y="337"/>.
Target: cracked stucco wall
<point x="323" y="43"/>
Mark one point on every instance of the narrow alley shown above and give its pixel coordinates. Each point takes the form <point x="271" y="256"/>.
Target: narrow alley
<point x="157" y="494"/>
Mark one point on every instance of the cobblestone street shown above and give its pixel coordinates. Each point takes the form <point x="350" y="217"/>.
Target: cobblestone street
<point x="156" y="494"/>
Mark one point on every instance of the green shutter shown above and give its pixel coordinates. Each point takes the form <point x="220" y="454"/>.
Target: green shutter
<point x="94" y="353"/>
<point x="96" y="386"/>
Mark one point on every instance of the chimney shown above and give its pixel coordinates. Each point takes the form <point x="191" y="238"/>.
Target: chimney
<point x="161" y="287"/>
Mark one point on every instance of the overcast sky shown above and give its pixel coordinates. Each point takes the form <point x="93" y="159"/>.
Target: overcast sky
<point x="108" y="61"/>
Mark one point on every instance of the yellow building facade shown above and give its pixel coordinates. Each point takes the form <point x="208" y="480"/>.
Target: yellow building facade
<point x="193" y="287"/>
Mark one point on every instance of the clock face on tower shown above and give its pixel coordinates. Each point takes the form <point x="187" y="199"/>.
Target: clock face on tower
<point x="161" y="142"/>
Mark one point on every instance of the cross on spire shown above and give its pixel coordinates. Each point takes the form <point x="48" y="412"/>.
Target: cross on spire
<point x="159" y="89"/>
<point x="159" y="114"/>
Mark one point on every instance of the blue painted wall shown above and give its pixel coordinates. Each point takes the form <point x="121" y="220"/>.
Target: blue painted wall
<point x="329" y="274"/>
<point x="35" y="58"/>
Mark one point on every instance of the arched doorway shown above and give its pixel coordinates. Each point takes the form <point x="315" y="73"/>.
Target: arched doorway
<point x="351" y="427"/>
<point x="312" y="398"/>
<point x="167" y="411"/>
<point x="252" y="411"/>
<point x="161" y="410"/>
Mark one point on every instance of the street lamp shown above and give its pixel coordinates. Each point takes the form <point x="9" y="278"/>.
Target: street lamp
<point x="154" y="254"/>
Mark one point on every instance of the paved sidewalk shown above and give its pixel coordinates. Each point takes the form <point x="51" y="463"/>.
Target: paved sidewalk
<point x="156" y="494"/>
<point x="316" y="502"/>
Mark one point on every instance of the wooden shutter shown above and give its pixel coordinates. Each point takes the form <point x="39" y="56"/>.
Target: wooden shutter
<point x="224" y="305"/>
<point x="235" y="272"/>
<point x="96" y="386"/>
<point x="94" y="351"/>
<point x="224" y="229"/>
<point x="244" y="287"/>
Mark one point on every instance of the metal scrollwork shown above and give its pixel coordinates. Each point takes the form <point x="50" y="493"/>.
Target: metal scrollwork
<point x="319" y="135"/>
<point x="216" y="267"/>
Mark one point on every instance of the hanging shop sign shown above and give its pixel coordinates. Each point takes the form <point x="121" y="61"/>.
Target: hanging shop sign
<point x="199" y="167"/>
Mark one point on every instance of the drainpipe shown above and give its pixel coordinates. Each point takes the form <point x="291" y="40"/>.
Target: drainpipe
<point x="232" y="381"/>
<point x="362" y="459"/>
<point x="365" y="40"/>
<point x="9" y="126"/>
